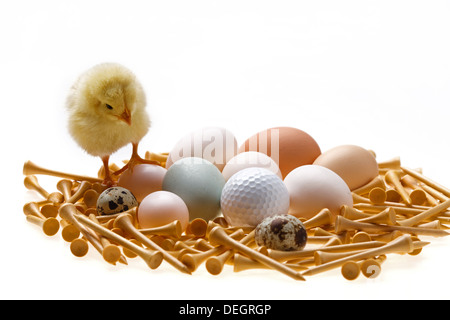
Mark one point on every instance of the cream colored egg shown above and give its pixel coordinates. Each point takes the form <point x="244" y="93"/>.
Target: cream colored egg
<point x="250" y="159"/>
<point x="354" y="164"/>
<point x="214" y="144"/>
<point x="312" y="188"/>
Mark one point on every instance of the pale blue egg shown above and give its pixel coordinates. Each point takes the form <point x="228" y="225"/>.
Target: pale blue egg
<point x="199" y="183"/>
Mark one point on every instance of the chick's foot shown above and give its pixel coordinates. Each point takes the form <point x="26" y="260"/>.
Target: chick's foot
<point x="134" y="160"/>
<point x="109" y="183"/>
<point x="108" y="180"/>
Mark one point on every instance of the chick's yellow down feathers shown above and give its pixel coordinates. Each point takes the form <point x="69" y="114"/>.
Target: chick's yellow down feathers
<point x="106" y="107"/>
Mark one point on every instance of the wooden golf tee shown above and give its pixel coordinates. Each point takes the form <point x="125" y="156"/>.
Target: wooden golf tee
<point x="403" y="244"/>
<point x="321" y="257"/>
<point x="69" y="212"/>
<point x="371" y="268"/>
<point x="375" y="182"/>
<point x="197" y="227"/>
<point x="290" y="255"/>
<point x="156" y="156"/>
<point x="111" y="253"/>
<point x="387" y="217"/>
<point x="434" y="211"/>
<point x="414" y="184"/>
<point x="322" y="218"/>
<point x="79" y="247"/>
<point x="32" y="208"/>
<point x="152" y="258"/>
<point x="393" y="163"/>
<point x="30" y="168"/>
<point x="124" y="222"/>
<point x="50" y="226"/>
<point x="399" y="208"/>
<point x="393" y="177"/>
<point x="241" y="263"/>
<point x="361" y="236"/>
<point x="90" y="198"/>
<point x="434" y="194"/>
<point x="419" y="196"/>
<point x="193" y="260"/>
<point x="215" y="264"/>
<point x="343" y="224"/>
<point x="65" y="187"/>
<point x="377" y="195"/>
<point x="69" y="231"/>
<point x="350" y="270"/>
<point x="55" y="198"/>
<point x="218" y="235"/>
<point x="359" y="199"/>
<point x="31" y="183"/>
<point x="353" y="214"/>
<point x="172" y="229"/>
<point x="83" y="187"/>
<point x="427" y="181"/>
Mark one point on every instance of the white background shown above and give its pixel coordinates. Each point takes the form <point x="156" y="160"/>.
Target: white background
<point x="371" y="73"/>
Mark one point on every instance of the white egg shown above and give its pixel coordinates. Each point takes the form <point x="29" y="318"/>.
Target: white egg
<point x="215" y="144"/>
<point x="247" y="160"/>
<point x="312" y="188"/>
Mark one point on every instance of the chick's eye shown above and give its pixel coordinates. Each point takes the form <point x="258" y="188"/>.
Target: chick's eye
<point x="109" y="107"/>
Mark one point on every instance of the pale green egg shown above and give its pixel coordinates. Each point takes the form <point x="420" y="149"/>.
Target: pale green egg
<point x="199" y="183"/>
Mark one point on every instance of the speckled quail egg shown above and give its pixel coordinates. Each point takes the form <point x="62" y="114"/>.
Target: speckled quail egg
<point x="115" y="200"/>
<point x="281" y="232"/>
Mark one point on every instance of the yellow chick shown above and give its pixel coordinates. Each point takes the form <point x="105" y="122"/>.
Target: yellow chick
<point x="106" y="107"/>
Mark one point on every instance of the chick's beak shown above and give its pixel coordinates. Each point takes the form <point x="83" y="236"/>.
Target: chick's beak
<point x="126" y="116"/>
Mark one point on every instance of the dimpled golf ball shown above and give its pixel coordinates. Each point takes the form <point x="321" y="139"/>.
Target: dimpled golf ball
<point x="281" y="232"/>
<point x="251" y="195"/>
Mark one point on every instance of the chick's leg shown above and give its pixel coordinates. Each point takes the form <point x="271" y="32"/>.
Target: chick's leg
<point x="108" y="180"/>
<point x="135" y="160"/>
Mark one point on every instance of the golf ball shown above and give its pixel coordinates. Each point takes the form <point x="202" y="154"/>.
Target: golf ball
<point x="253" y="194"/>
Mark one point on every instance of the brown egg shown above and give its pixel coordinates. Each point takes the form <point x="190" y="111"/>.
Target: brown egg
<point x="288" y="147"/>
<point x="143" y="180"/>
<point x="355" y="165"/>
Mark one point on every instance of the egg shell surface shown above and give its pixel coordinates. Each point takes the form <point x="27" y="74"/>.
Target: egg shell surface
<point x="281" y="232"/>
<point x="199" y="183"/>
<point x="354" y="164"/>
<point x="312" y="188"/>
<point x="115" y="200"/>
<point x="288" y="147"/>
<point x="247" y="160"/>
<point x="160" y="208"/>
<point x="143" y="179"/>
<point x="215" y="144"/>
